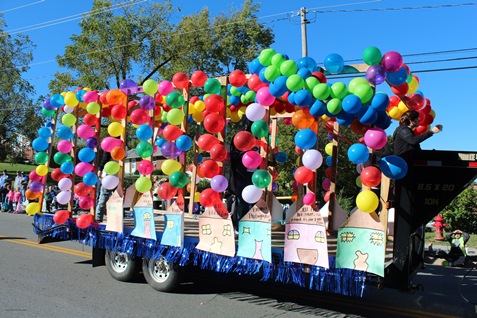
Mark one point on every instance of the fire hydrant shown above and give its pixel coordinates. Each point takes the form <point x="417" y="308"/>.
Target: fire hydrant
<point x="439" y="225"/>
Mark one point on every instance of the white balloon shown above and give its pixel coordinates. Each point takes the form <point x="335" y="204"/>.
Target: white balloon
<point x="63" y="197"/>
<point x="65" y="184"/>
<point x="312" y="159"/>
<point x="255" y="111"/>
<point x="251" y="194"/>
<point x="68" y="109"/>
<point x="110" y="182"/>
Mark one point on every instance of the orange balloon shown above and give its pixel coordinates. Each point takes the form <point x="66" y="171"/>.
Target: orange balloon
<point x="118" y="153"/>
<point x="32" y="195"/>
<point x="115" y="96"/>
<point x="302" y="119"/>
<point x="294" y="197"/>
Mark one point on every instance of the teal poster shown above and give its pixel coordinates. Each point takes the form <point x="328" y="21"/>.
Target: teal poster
<point x="144" y="218"/>
<point x="173" y="234"/>
<point x="255" y="233"/>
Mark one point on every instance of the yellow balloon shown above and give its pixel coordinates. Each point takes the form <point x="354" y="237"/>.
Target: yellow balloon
<point x="41" y="170"/>
<point x="241" y="111"/>
<point x="234" y="117"/>
<point x="273" y="112"/>
<point x="395" y="113"/>
<point x="199" y="105"/>
<point x="196" y="197"/>
<point x="191" y="108"/>
<point x="115" y="129"/>
<point x="367" y="201"/>
<point x="402" y="107"/>
<point x="413" y="86"/>
<point x="197" y="116"/>
<point x="33" y="208"/>
<point x="329" y="148"/>
<point x="170" y="166"/>
<point x="297" y="161"/>
<point x="325" y="118"/>
<point x="228" y="112"/>
<point x="70" y="99"/>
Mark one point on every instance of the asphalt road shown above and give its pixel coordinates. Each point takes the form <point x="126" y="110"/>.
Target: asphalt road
<point x="57" y="280"/>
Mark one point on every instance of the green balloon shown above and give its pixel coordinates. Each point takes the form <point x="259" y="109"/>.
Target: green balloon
<point x="278" y="59"/>
<point x="234" y="91"/>
<point x="310" y="83"/>
<point x="144" y="149"/>
<point x="250" y="96"/>
<point x="265" y="57"/>
<point x="48" y="113"/>
<point x="355" y="82"/>
<point x="61" y="158"/>
<point x="372" y="55"/>
<point x="41" y="157"/>
<point x="364" y="92"/>
<point x="260" y="128"/>
<point x="339" y="90"/>
<point x="174" y="100"/>
<point x="288" y="68"/>
<point x="212" y="86"/>
<point x="143" y="184"/>
<point x="271" y="73"/>
<point x="175" y="116"/>
<point x="178" y="179"/>
<point x="111" y="167"/>
<point x="295" y="82"/>
<point x="150" y="87"/>
<point x="321" y="91"/>
<point x="261" y="178"/>
<point x="68" y="120"/>
<point x="334" y="106"/>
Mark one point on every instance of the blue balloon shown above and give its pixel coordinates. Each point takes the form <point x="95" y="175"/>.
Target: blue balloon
<point x="307" y="63"/>
<point x="67" y="167"/>
<point x="329" y="161"/>
<point x="369" y="116"/>
<point x="279" y="86"/>
<point x="261" y="74"/>
<point x="351" y="104"/>
<point x="64" y="133"/>
<point x="90" y="179"/>
<point x="344" y="119"/>
<point x="47" y="105"/>
<point x="57" y="100"/>
<point x="243" y="89"/>
<point x="393" y="167"/>
<point x="383" y="120"/>
<point x="304" y="73"/>
<point x="397" y="78"/>
<point x="86" y="154"/>
<point x="183" y="143"/>
<point x="234" y="100"/>
<point x="40" y="144"/>
<point x="144" y="132"/>
<point x="44" y="132"/>
<point x="281" y="157"/>
<point x="318" y="108"/>
<point x="358" y="153"/>
<point x="334" y="63"/>
<point x="291" y="98"/>
<point x="254" y="66"/>
<point x="303" y="98"/>
<point x="79" y="95"/>
<point x="305" y="139"/>
<point x="160" y="142"/>
<point x="380" y="101"/>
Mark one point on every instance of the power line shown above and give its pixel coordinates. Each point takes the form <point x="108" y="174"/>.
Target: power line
<point x="23" y="6"/>
<point x="397" y="9"/>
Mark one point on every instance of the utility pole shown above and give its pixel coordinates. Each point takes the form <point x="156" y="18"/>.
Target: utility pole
<point x="304" y="22"/>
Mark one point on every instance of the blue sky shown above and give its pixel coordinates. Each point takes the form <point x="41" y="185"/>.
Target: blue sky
<point x="432" y="40"/>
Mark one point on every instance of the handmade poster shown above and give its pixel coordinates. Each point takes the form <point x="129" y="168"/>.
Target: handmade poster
<point x="255" y="233"/>
<point x="173" y="234"/>
<point x="144" y="217"/>
<point x="216" y="233"/>
<point x="361" y="243"/>
<point x="305" y="238"/>
<point x="338" y="215"/>
<point x="129" y="197"/>
<point x="114" y="213"/>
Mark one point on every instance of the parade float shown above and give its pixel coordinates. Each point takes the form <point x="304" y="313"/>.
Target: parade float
<point x="319" y="245"/>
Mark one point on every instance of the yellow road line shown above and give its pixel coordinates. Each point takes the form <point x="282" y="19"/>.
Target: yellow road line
<point x="49" y="247"/>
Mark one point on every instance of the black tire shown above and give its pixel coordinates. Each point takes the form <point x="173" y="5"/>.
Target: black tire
<point x="162" y="275"/>
<point x="121" y="266"/>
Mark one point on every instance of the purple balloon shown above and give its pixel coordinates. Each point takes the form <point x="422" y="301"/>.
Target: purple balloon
<point x="47" y="105"/>
<point x="392" y="61"/>
<point x="147" y="102"/>
<point x="376" y="74"/>
<point x="36" y="187"/>
<point x="274" y="186"/>
<point x="92" y="142"/>
<point x="219" y="183"/>
<point x="196" y="206"/>
<point x="170" y="150"/>
<point x="128" y="86"/>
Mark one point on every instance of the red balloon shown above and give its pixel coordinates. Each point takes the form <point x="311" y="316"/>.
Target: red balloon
<point x="221" y="209"/>
<point x="327" y="195"/>
<point x="419" y="130"/>
<point x="119" y="112"/>
<point x="172" y="132"/>
<point x="218" y="152"/>
<point x="86" y="202"/>
<point x="370" y="176"/>
<point x="320" y="76"/>
<point x="198" y="78"/>
<point x="214" y="123"/>
<point x="254" y="83"/>
<point x="425" y="119"/>
<point x="61" y="216"/>
<point x="303" y="175"/>
<point x="328" y="172"/>
<point x="84" y="220"/>
<point x="166" y="191"/>
<point x="90" y="119"/>
<point x="180" y="80"/>
<point x="244" y="140"/>
<point x="209" y="197"/>
<point x="145" y="167"/>
<point x="401" y="89"/>
<point x="237" y="78"/>
<point x="214" y="103"/>
<point x="105" y="111"/>
<point x="57" y="175"/>
<point x="206" y="142"/>
<point x="209" y="168"/>
<point x="82" y="189"/>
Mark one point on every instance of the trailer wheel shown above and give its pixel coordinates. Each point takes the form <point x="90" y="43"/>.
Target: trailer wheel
<point x="121" y="266"/>
<point x="162" y="275"/>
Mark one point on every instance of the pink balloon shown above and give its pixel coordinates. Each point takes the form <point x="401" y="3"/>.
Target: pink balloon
<point x="85" y="131"/>
<point x="375" y="138"/>
<point x="145" y="167"/>
<point x="264" y="97"/>
<point x="86" y="202"/>
<point x="34" y="176"/>
<point x="108" y="143"/>
<point x="64" y="146"/>
<point x="251" y="160"/>
<point x="83" y="168"/>
<point x="326" y="184"/>
<point x="89" y="97"/>
<point x="165" y="87"/>
<point x="309" y="198"/>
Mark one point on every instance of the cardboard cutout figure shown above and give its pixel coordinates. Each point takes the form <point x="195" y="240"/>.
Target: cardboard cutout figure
<point x="216" y="233"/>
<point x="114" y="213"/>
<point x="305" y="238"/>
<point x="144" y="217"/>
<point x="255" y="233"/>
<point x="173" y="234"/>
<point x="361" y="243"/>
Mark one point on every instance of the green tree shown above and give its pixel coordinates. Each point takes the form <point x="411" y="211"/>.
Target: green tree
<point x="461" y="213"/>
<point x="15" y="102"/>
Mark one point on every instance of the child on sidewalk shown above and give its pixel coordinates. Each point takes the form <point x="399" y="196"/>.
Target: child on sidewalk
<point x="10" y="196"/>
<point x="17" y="198"/>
